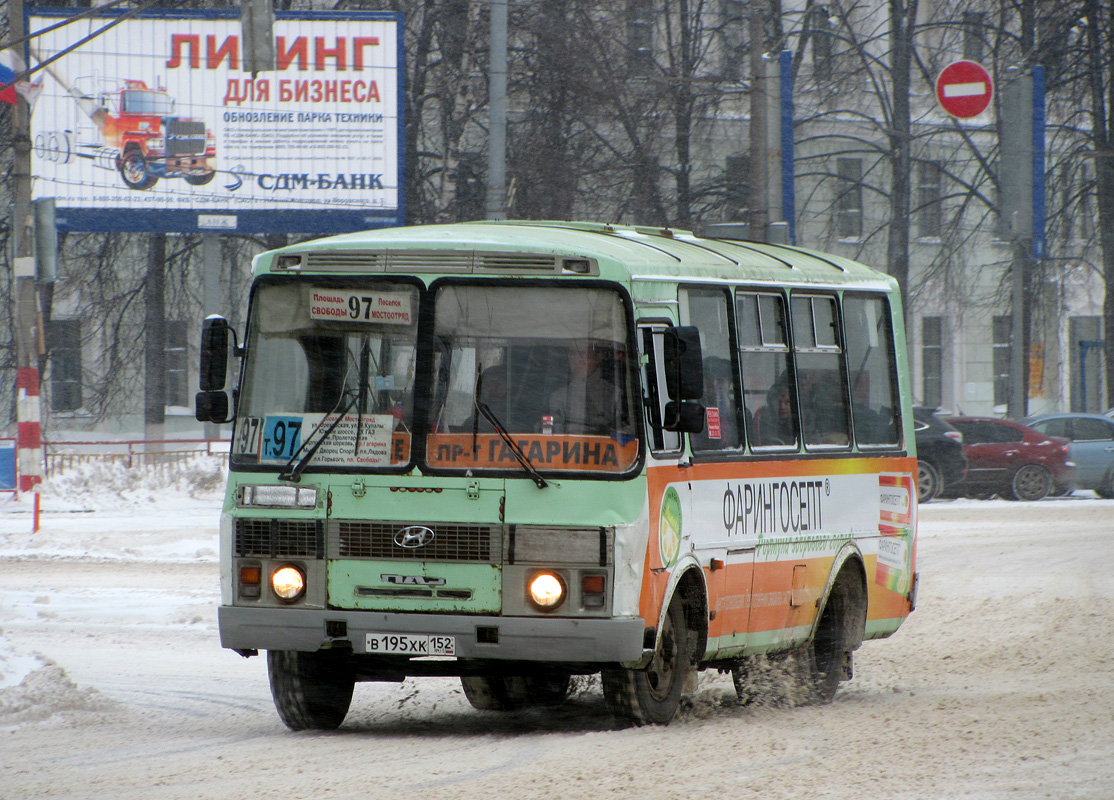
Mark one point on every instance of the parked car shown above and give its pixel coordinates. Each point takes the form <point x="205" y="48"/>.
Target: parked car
<point x="940" y="459"/>
<point x="1091" y="448"/>
<point x="1012" y="460"/>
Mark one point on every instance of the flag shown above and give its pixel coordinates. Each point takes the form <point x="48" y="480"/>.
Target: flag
<point x="10" y="65"/>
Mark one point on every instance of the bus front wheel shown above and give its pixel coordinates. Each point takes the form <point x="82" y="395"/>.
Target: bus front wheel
<point x="312" y="691"/>
<point x="651" y="696"/>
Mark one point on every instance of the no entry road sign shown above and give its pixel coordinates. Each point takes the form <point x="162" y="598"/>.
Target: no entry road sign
<point x="964" y="89"/>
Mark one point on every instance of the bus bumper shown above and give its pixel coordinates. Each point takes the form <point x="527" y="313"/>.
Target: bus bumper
<point x="542" y="639"/>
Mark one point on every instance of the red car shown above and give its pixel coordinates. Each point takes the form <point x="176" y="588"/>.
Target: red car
<point x="1011" y="460"/>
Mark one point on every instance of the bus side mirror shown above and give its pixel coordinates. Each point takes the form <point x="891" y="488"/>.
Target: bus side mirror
<point x="215" y="403"/>
<point x="684" y="417"/>
<point x="684" y="380"/>
<point x="684" y="366"/>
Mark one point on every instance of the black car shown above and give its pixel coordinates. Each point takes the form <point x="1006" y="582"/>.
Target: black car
<point x="940" y="459"/>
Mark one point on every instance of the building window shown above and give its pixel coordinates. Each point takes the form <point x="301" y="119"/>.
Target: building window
<point x="974" y="22"/>
<point x="734" y="40"/>
<point x="1001" y="347"/>
<point x="640" y="37"/>
<point x="177" y="373"/>
<point x="929" y="205"/>
<point x="65" y="365"/>
<point x="820" y="32"/>
<point x="849" y="198"/>
<point x="932" y="360"/>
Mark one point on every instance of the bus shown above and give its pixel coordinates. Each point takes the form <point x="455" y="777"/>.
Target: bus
<point x="520" y="452"/>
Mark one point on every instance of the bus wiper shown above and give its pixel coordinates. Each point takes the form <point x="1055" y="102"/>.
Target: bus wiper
<point x="295" y="473"/>
<point x="489" y="415"/>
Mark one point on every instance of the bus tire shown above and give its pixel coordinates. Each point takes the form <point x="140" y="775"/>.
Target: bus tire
<point x="550" y="689"/>
<point x="651" y="696"/>
<point x="312" y="691"/>
<point x="826" y="660"/>
<point x="512" y="692"/>
<point x="495" y="692"/>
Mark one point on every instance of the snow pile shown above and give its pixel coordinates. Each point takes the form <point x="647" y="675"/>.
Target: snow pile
<point x="106" y="510"/>
<point x="102" y="512"/>
<point x="33" y="688"/>
<point x="113" y="486"/>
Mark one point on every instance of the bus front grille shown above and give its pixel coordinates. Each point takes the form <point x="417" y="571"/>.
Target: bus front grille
<point x="284" y="538"/>
<point x="379" y="540"/>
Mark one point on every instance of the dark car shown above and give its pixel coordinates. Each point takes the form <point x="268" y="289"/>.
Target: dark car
<point x="940" y="459"/>
<point x="1012" y="460"/>
<point x="1091" y="448"/>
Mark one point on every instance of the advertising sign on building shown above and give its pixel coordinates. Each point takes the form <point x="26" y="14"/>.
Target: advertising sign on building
<point x="153" y="125"/>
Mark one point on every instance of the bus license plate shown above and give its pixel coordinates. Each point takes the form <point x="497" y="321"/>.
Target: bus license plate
<point x="411" y="644"/>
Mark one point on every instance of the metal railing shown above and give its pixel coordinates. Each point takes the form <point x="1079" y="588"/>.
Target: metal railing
<point x="145" y="453"/>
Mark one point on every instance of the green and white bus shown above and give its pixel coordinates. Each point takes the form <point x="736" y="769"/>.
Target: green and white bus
<point x="517" y="452"/>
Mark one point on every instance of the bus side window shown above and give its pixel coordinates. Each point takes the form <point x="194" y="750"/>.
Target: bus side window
<point x="769" y="401"/>
<point x="651" y="342"/>
<point x="821" y="382"/>
<point x="875" y="410"/>
<point x="708" y="309"/>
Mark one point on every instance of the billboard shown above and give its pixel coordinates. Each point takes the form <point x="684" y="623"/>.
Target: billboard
<point x="153" y="125"/>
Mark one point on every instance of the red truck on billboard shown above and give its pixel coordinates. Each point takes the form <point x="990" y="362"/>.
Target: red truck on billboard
<point x="151" y="142"/>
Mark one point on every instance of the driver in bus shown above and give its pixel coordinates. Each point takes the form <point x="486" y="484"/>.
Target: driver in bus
<point x="586" y="403"/>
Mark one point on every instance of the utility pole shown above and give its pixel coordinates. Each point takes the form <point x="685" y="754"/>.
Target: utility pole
<point x="759" y="145"/>
<point x="496" y="198"/>
<point x="28" y="326"/>
<point x="1021" y="187"/>
<point x="154" y="385"/>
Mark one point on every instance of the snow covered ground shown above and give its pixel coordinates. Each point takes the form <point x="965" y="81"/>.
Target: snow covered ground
<point x="113" y="683"/>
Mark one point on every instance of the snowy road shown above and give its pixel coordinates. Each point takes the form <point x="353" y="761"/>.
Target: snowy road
<point x="1001" y="685"/>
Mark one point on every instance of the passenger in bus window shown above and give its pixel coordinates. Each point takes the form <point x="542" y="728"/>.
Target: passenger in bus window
<point x="775" y="420"/>
<point x="585" y="405"/>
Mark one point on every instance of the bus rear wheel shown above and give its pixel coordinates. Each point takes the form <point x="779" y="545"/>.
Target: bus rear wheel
<point x="651" y="696"/>
<point x="826" y="660"/>
<point x="512" y="692"/>
<point x="312" y="691"/>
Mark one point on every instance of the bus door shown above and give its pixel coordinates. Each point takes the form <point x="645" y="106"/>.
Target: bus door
<point x="722" y="540"/>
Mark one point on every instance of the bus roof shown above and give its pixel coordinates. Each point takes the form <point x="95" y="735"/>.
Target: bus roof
<point x="622" y="253"/>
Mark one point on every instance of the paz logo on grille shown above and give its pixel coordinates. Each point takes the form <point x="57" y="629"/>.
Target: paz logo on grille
<point x="414" y="536"/>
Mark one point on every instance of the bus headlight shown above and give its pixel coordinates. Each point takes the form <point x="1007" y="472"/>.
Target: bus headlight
<point x="546" y="591"/>
<point x="288" y="583"/>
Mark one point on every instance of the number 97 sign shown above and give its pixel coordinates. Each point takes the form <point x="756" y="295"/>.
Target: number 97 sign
<point x="339" y="305"/>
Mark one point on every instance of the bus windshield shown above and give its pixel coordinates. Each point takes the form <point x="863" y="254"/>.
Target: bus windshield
<point x="550" y="365"/>
<point x="329" y="364"/>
